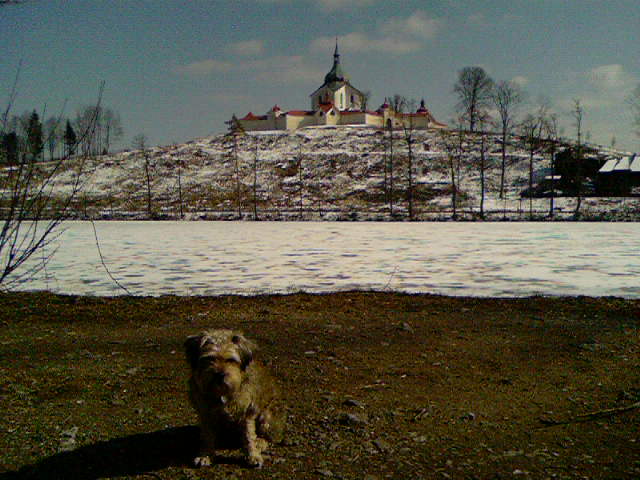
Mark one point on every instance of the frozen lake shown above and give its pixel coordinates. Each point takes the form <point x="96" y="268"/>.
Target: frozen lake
<point x="480" y="259"/>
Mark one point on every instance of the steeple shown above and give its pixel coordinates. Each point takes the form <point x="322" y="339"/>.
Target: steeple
<point x="336" y="74"/>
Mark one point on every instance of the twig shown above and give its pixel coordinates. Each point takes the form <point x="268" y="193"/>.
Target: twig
<point x="390" y="278"/>
<point x="95" y="234"/>
<point x="151" y="474"/>
<point x="587" y="417"/>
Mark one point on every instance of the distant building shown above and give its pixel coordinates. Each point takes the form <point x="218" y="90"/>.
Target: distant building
<point x="618" y="176"/>
<point x="337" y="102"/>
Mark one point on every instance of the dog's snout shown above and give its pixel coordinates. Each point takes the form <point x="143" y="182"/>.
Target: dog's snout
<point x="219" y="377"/>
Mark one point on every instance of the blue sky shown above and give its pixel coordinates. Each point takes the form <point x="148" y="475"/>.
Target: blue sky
<point x="176" y="70"/>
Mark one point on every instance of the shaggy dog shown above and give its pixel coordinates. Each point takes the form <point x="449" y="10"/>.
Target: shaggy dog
<point x="236" y="399"/>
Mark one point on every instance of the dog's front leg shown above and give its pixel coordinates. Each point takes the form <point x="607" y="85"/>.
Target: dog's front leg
<point x="207" y="447"/>
<point x="252" y="443"/>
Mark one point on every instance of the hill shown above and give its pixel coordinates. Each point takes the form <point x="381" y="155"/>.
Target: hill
<point x="326" y="173"/>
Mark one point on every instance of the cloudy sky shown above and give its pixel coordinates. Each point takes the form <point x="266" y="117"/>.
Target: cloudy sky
<point x="177" y="69"/>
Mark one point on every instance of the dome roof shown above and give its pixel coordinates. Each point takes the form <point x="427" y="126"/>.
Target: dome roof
<point x="336" y="74"/>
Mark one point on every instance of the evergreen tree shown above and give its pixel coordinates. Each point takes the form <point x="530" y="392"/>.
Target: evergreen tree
<point x="35" y="143"/>
<point x="70" y="139"/>
<point x="9" y="148"/>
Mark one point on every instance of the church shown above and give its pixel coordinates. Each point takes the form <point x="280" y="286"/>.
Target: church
<point x="337" y="102"/>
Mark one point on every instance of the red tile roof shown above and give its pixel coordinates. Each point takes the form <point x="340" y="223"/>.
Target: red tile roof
<point x="251" y="116"/>
<point x="299" y="113"/>
<point x="325" y="107"/>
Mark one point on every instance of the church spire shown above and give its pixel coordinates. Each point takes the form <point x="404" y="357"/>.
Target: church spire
<point x="336" y="74"/>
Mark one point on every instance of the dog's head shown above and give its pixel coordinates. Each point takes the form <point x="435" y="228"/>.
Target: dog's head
<point x="218" y="360"/>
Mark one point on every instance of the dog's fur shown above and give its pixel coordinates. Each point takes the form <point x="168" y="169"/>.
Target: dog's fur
<point x="236" y="399"/>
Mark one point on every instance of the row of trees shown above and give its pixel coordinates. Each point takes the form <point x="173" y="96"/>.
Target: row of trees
<point x="481" y="102"/>
<point x="56" y="137"/>
<point x="30" y="207"/>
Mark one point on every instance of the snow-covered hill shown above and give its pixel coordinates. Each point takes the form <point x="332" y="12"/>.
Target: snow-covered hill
<point x="319" y="173"/>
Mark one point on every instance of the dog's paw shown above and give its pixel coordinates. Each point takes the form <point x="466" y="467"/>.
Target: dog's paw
<point x="255" y="460"/>
<point x="202" y="461"/>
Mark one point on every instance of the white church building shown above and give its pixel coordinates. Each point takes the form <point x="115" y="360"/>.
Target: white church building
<point x="337" y="102"/>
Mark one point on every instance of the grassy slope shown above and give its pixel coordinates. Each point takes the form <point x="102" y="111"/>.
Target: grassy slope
<point x="457" y="392"/>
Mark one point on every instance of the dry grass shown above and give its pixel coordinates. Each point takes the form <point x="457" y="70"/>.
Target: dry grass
<point x="441" y="387"/>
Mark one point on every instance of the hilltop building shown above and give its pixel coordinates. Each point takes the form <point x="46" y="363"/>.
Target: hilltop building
<point x="337" y="102"/>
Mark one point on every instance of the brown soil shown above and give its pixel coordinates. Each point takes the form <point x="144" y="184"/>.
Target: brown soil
<point x="378" y="385"/>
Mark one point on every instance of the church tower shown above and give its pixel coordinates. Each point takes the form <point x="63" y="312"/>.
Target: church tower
<point x="337" y="90"/>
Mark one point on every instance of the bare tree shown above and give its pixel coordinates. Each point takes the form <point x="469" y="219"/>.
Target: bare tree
<point x="398" y="103"/>
<point x="255" y="183"/>
<point x="453" y="144"/>
<point x="389" y="166"/>
<point x="108" y="128"/>
<point x="179" y="164"/>
<point x="31" y="207"/>
<point x="111" y="127"/>
<point x="408" y="128"/>
<point x="366" y="98"/>
<point x="634" y="102"/>
<point x="52" y="135"/>
<point x="552" y="137"/>
<point x="473" y="88"/>
<point x="578" y="114"/>
<point x="482" y="165"/>
<point x="140" y="143"/>
<point x="531" y="130"/>
<point x="235" y="130"/>
<point x="300" y="177"/>
<point x="506" y="98"/>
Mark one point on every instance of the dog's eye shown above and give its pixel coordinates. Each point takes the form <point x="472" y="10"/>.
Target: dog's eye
<point x="232" y="360"/>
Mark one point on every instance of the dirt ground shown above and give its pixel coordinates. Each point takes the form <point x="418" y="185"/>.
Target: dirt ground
<point x="377" y="386"/>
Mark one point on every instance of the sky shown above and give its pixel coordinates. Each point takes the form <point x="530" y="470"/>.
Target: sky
<point x="176" y="70"/>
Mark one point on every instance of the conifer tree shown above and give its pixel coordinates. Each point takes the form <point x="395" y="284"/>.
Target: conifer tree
<point x="70" y="139"/>
<point x="9" y="148"/>
<point x="35" y="144"/>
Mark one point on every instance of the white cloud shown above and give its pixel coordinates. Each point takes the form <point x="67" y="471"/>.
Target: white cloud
<point x="361" y="42"/>
<point x="247" y="48"/>
<point x="333" y="5"/>
<point x="397" y="35"/>
<point x="204" y="67"/>
<point x="520" y="80"/>
<point x="478" y="19"/>
<point x="284" y="69"/>
<point x="610" y="77"/>
<point x="281" y="69"/>
<point x="418" y="24"/>
<point x="330" y="5"/>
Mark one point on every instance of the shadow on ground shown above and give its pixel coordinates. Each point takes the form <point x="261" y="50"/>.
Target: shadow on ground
<point x="131" y="455"/>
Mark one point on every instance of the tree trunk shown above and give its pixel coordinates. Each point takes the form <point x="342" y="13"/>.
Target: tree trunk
<point x="410" y="187"/>
<point x="553" y="182"/>
<point x="148" y="181"/>
<point x="531" y="184"/>
<point x="180" y="191"/>
<point x="482" y="179"/>
<point x="255" y="185"/>
<point x="391" y="171"/>
<point x="503" y="166"/>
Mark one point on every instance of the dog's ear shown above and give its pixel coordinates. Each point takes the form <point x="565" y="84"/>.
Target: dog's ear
<point x="246" y="348"/>
<point x="192" y="347"/>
